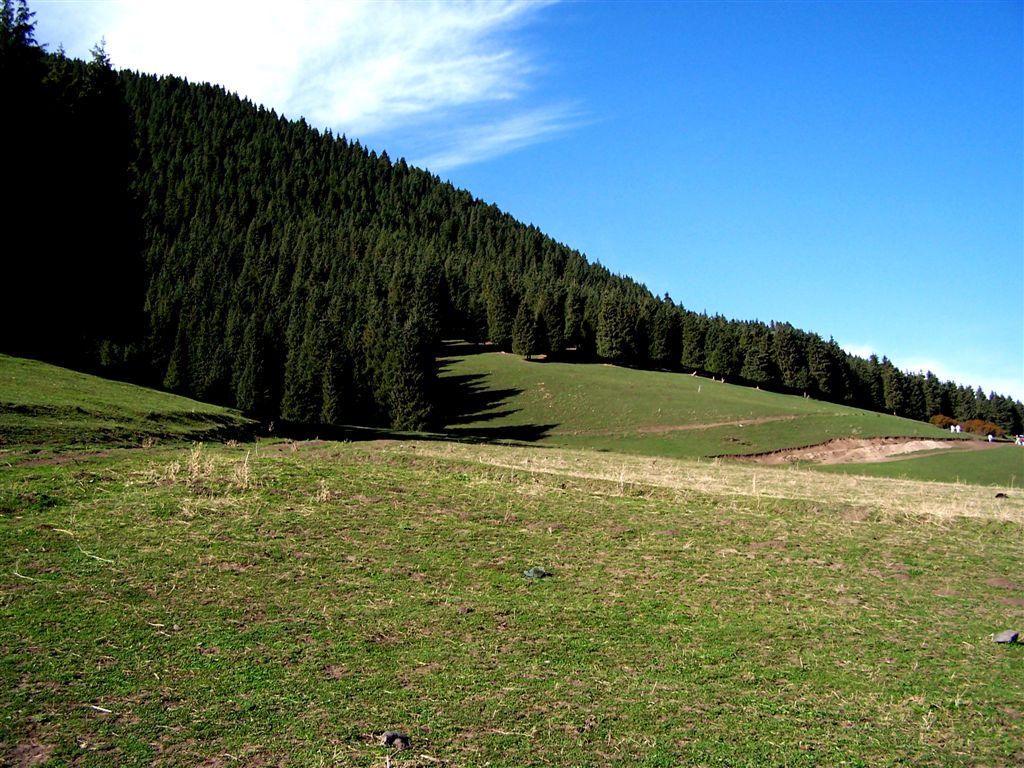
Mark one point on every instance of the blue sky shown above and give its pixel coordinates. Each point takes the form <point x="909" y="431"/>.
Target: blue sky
<point x="856" y="169"/>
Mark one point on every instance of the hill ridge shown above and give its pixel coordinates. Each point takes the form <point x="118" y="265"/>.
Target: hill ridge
<point x="256" y="262"/>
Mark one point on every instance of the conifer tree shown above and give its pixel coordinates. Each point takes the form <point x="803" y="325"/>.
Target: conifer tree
<point x="500" y="317"/>
<point x="550" y="323"/>
<point x="758" y="367"/>
<point x="935" y="397"/>
<point x="721" y="349"/>
<point x="573" y="319"/>
<point x="666" y="335"/>
<point x="789" y="354"/>
<point x="407" y="370"/>
<point x="525" y="340"/>
<point x="248" y="383"/>
<point x="615" y="328"/>
<point x="915" y="398"/>
<point x="693" y="341"/>
<point x="827" y="369"/>
<point x="894" y="389"/>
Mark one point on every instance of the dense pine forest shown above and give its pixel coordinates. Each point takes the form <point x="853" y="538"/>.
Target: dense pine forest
<point x="173" y="234"/>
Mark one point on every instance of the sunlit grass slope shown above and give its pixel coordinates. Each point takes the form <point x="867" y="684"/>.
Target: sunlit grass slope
<point x="603" y="407"/>
<point x="45" y="405"/>
<point x="1002" y="466"/>
<point x="284" y="605"/>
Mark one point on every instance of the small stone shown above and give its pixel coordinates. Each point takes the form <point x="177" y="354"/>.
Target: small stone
<point x="395" y="739"/>
<point x="536" y="572"/>
<point x="1009" y="636"/>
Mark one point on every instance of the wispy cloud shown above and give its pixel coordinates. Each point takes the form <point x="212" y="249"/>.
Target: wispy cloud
<point x="452" y="76"/>
<point x="478" y="141"/>
<point x="859" y="350"/>
<point x="967" y="373"/>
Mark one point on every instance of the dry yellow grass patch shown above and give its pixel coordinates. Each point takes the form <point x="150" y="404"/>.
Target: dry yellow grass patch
<point x="901" y="497"/>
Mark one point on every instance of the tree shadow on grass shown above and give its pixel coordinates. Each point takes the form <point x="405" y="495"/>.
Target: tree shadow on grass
<point x="465" y="349"/>
<point x="521" y="433"/>
<point x="464" y="401"/>
<point x="464" y="405"/>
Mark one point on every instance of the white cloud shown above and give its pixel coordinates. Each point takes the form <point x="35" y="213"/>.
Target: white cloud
<point x="358" y="67"/>
<point x="860" y="350"/>
<point x="966" y="373"/>
<point x="477" y="142"/>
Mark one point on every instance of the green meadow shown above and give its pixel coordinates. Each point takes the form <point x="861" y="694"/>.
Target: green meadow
<point x="51" y="407"/>
<point x="609" y="408"/>
<point x="1002" y="465"/>
<point x="285" y="603"/>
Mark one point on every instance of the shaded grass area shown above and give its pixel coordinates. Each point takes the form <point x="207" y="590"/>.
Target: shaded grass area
<point x="1002" y="466"/>
<point x="603" y="407"/>
<point x="283" y="604"/>
<point x="44" y="405"/>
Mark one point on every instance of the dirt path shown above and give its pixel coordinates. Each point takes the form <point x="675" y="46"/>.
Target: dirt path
<point x="864" y="450"/>
<point x="659" y="429"/>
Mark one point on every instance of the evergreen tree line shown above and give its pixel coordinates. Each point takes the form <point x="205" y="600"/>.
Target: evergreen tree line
<point x="180" y="236"/>
<point x="72" y="271"/>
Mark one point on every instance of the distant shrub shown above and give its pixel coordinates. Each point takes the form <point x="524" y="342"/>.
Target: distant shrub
<point x="981" y="427"/>
<point x="976" y="426"/>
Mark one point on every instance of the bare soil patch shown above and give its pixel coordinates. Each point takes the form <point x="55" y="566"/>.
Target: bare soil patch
<point x="660" y="429"/>
<point x="1005" y="584"/>
<point x="862" y="450"/>
<point x="30" y="752"/>
<point x="336" y="671"/>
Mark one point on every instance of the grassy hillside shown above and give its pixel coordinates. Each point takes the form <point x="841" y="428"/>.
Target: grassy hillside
<point x="601" y="407"/>
<point x="492" y="396"/>
<point x="284" y="605"/>
<point x="44" y="405"/>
